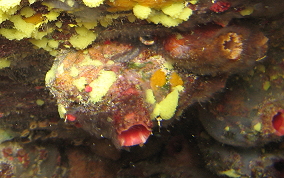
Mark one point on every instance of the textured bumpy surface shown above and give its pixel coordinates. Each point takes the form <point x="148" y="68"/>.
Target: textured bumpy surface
<point x="118" y="91"/>
<point x="141" y="88"/>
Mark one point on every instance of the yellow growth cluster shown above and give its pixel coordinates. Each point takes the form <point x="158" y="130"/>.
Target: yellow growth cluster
<point x="27" y="23"/>
<point x="165" y="109"/>
<point x="159" y="79"/>
<point x="168" y="13"/>
<point x="4" y="63"/>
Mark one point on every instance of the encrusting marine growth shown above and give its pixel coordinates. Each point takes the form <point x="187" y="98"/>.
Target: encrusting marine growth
<point x="122" y="72"/>
<point x="111" y="97"/>
<point x="116" y="91"/>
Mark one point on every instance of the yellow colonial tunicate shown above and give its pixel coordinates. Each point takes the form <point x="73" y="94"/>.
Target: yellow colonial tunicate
<point x="257" y="127"/>
<point x="230" y="173"/>
<point x="84" y="38"/>
<point x="22" y="29"/>
<point x="88" y="61"/>
<point x="60" y="69"/>
<point x="6" y="5"/>
<point x="164" y="19"/>
<point x="27" y="12"/>
<point x="101" y="85"/>
<point x="74" y="72"/>
<point x="22" y="26"/>
<point x="193" y="1"/>
<point x="7" y="8"/>
<point x="50" y="75"/>
<point x="70" y="2"/>
<point x="12" y="34"/>
<point x="141" y="12"/>
<point x="93" y="3"/>
<point x="25" y="28"/>
<point x="246" y="11"/>
<point x="150" y="98"/>
<point x="32" y="1"/>
<point x="4" y="63"/>
<point x="168" y="65"/>
<point x="168" y="13"/>
<point x="51" y="16"/>
<point x="184" y="15"/>
<point x="39" y="35"/>
<point x="167" y="107"/>
<point x="266" y="85"/>
<point x="58" y="24"/>
<point x="53" y="43"/>
<point x="80" y="83"/>
<point x="39" y="102"/>
<point x="39" y="43"/>
<point x="89" y="25"/>
<point x="173" y="10"/>
<point x="61" y="110"/>
<point x="172" y="15"/>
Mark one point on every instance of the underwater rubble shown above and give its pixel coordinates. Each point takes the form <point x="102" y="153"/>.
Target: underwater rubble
<point x="132" y="88"/>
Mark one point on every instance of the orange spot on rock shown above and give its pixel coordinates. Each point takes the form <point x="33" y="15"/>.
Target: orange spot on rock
<point x="35" y="19"/>
<point x="175" y="79"/>
<point x="158" y="79"/>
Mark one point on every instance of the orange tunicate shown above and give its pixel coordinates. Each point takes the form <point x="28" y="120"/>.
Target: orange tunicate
<point x="125" y="5"/>
<point x="175" y="80"/>
<point x="158" y="79"/>
<point x="121" y="5"/>
<point x="35" y="19"/>
<point x="157" y="4"/>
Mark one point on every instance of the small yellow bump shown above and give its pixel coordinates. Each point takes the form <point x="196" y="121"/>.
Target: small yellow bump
<point x="167" y="65"/>
<point x="246" y="11"/>
<point x="150" y="98"/>
<point x="193" y="1"/>
<point x="230" y="173"/>
<point x="4" y="63"/>
<point x="74" y="72"/>
<point x="80" y="83"/>
<point x="257" y="127"/>
<point x="61" y="110"/>
<point x="58" y="24"/>
<point x="266" y="85"/>
<point x="39" y="102"/>
<point x="274" y="77"/>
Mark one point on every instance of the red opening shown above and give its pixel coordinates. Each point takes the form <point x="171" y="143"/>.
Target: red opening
<point x="278" y="123"/>
<point x="135" y="135"/>
<point x="70" y="117"/>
